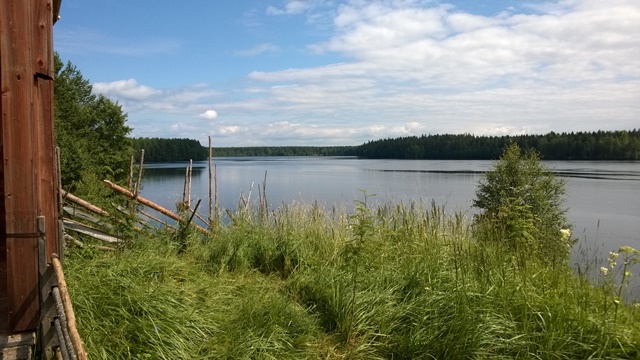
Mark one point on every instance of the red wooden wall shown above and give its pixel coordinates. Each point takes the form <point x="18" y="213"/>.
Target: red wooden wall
<point x="28" y="177"/>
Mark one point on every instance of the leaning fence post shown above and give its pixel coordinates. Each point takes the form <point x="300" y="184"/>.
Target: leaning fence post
<point x="68" y="310"/>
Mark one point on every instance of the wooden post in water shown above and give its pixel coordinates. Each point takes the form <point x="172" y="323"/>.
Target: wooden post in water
<point x="215" y="184"/>
<point x="135" y="193"/>
<point x="184" y="189"/>
<point x="210" y="184"/>
<point x="190" y="175"/>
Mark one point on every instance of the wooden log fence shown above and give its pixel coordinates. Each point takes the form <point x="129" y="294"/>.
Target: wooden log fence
<point x="157" y="220"/>
<point x="85" y="204"/>
<point x="151" y="204"/>
<point x="65" y="323"/>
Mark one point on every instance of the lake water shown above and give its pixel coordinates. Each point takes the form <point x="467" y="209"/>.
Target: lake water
<point x="603" y="197"/>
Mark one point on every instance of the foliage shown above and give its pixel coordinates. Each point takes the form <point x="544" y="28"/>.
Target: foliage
<point x="600" y="145"/>
<point x="282" y="288"/>
<point x="524" y="199"/>
<point x="91" y="130"/>
<point x="159" y="150"/>
<point x="285" y="151"/>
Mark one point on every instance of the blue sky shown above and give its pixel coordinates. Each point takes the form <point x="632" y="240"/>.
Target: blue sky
<point x="312" y="72"/>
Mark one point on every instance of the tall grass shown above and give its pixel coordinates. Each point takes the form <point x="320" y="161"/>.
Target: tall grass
<point x="427" y="287"/>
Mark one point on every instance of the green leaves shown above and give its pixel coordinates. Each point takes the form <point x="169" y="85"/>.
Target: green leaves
<point x="91" y="130"/>
<point x="522" y="197"/>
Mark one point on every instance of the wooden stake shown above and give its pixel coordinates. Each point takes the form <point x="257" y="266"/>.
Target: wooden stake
<point x="68" y="310"/>
<point x="190" y="175"/>
<point x="215" y="184"/>
<point x="150" y="204"/>
<point x="184" y="189"/>
<point x="210" y="184"/>
<point x="158" y="220"/>
<point x="200" y="217"/>
<point x="131" y="174"/>
<point x="135" y="193"/>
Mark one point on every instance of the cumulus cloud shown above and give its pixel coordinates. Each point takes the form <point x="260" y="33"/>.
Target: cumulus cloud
<point x="418" y="66"/>
<point x="136" y="98"/>
<point x="209" y="115"/>
<point x="558" y="67"/>
<point x="125" y="89"/>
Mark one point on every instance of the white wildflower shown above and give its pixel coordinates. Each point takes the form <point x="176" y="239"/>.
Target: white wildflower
<point x="628" y="250"/>
<point x="612" y="259"/>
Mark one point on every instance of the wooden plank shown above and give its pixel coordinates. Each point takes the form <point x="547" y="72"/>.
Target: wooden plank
<point x="46" y="172"/>
<point x="19" y="163"/>
<point x="42" y="59"/>
<point x="46" y="167"/>
<point x="77" y="213"/>
<point x="4" y="299"/>
<point x="89" y="231"/>
<point x="17" y="346"/>
<point x="42" y="37"/>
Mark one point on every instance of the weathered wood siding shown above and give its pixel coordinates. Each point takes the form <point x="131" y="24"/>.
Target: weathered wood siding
<point x="28" y="177"/>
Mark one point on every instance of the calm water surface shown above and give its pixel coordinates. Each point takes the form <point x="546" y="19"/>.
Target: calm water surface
<point x="603" y="197"/>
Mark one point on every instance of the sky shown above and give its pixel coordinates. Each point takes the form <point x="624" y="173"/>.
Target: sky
<point x="329" y="72"/>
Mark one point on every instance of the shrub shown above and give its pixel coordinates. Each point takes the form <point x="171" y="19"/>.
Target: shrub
<point x="524" y="199"/>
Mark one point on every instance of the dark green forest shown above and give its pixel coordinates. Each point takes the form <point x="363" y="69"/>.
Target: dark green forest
<point x="600" y="145"/>
<point x="159" y="150"/>
<point x="287" y="151"/>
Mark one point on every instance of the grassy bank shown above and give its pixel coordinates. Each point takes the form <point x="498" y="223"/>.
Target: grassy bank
<point x="396" y="282"/>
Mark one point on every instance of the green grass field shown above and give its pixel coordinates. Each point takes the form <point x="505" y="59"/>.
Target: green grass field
<point x="396" y="282"/>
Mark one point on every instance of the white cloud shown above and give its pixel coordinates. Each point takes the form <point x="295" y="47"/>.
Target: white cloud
<point x="136" y="98"/>
<point x="411" y="67"/>
<point x="561" y="67"/>
<point x="292" y="7"/>
<point x="257" y="50"/>
<point x="209" y="115"/>
<point x="125" y="89"/>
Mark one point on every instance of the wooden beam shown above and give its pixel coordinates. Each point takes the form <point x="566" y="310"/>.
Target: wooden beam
<point x="85" y="204"/>
<point x="150" y="204"/>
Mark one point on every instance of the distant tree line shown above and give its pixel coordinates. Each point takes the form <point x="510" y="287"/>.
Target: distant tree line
<point x="600" y="145"/>
<point x="286" y="151"/>
<point x="160" y="150"/>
